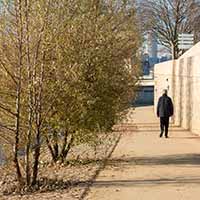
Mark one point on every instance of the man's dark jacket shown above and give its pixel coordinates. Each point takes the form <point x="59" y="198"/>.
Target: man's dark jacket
<point x="165" y="106"/>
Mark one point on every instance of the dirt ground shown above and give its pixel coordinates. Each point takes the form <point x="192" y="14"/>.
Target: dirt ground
<point x="63" y="181"/>
<point x="146" y="167"/>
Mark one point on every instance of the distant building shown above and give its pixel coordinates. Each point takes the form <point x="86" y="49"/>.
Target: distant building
<point x="164" y="58"/>
<point x="150" y="50"/>
<point x="152" y="46"/>
<point x="152" y="53"/>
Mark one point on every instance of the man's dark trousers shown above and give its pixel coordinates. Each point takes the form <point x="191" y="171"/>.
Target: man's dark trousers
<point x="164" y="125"/>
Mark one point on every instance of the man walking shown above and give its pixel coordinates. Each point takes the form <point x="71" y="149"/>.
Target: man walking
<point x="164" y="110"/>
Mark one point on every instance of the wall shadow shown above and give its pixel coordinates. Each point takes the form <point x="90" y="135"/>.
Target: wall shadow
<point x="147" y="182"/>
<point x="179" y="159"/>
<point x="153" y="130"/>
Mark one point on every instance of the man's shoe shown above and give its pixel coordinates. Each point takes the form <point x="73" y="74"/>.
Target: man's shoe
<point x="166" y="136"/>
<point x="161" y="135"/>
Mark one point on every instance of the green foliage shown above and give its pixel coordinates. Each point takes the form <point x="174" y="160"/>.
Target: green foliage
<point x="73" y="65"/>
<point x="94" y="49"/>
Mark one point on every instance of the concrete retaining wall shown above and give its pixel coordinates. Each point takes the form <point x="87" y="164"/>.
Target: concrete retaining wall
<point x="182" y="79"/>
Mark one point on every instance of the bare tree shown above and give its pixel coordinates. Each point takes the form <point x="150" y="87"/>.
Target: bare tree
<point x="167" y="18"/>
<point x="194" y="19"/>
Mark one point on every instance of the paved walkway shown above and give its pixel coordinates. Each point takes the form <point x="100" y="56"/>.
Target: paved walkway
<point x="146" y="167"/>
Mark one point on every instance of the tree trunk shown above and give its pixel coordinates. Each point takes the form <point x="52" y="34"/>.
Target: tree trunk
<point x="65" y="151"/>
<point x="36" y="158"/>
<point x="18" y="92"/>
<point x="16" y="147"/>
<point x="38" y="122"/>
<point x="30" y="96"/>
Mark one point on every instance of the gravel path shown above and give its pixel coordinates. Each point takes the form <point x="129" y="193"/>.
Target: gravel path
<point x="146" y="167"/>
